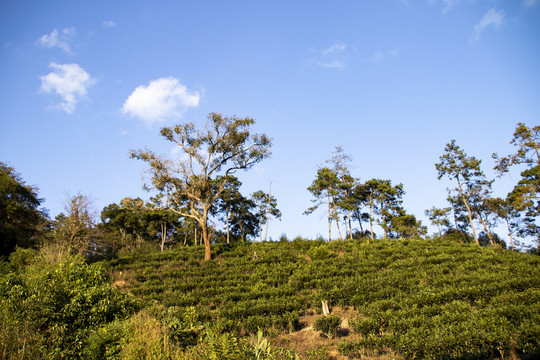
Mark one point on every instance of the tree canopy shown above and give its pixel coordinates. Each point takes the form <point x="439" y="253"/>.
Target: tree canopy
<point x="20" y="216"/>
<point x="194" y="182"/>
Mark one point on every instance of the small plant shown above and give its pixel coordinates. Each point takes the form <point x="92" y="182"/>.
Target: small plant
<point x="261" y="346"/>
<point x="328" y="324"/>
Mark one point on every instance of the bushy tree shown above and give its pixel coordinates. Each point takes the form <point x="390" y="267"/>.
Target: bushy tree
<point x="74" y="230"/>
<point x="20" y="215"/>
<point x="439" y="217"/>
<point x="524" y="197"/>
<point x="471" y="181"/>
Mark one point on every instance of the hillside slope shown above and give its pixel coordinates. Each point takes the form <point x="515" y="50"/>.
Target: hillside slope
<point x="416" y="298"/>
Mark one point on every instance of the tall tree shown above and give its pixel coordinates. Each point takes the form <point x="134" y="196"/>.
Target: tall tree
<point x="224" y="146"/>
<point x="325" y="188"/>
<point x="20" y="216"/>
<point x="340" y="165"/>
<point x="359" y="200"/>
<point x="266" y="206"/>
<point x="384" y="201"/>
<point x="525" y="195"/>
<point x="465" y="170"/>
<point x="505" y="211"/>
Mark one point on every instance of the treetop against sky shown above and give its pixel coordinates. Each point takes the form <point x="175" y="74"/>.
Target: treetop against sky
<point x="390" y="81"/>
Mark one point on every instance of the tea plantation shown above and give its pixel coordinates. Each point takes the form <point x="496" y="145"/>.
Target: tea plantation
<point x="422" y="299"/>
<point x="415" y="299"/>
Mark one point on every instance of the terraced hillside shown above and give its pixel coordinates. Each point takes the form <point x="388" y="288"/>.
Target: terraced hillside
<point x="409" y="298"/>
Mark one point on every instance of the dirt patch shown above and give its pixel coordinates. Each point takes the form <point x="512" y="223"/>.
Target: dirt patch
<point x="311" y="344"/>
<point x="122" y="278"/>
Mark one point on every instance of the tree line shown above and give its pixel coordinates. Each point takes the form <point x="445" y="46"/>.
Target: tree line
<point x="473" y="213"/>
<point x="198" y="199"/>
<point x="194" y="196"/>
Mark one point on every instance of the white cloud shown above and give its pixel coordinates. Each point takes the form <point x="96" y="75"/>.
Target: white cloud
<point x="162" y="99"/>
<point x="56" y="39"/>
<point x="493" y="18"/>
<point x="109" y="23"/>
<point x="333" y="57"/>
<point x="530" y="3"/>
<point x="70" y="81"/>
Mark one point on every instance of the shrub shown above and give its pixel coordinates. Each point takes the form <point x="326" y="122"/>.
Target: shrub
<point x="365" y="326"/>
<point x="59" y="306"/>
<point x="328" y="324"/>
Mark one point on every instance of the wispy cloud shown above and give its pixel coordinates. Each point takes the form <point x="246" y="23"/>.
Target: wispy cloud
<point x="162" y="99"/>
<point x="332" y="57"/>
<point x="449" y="4"/>
<point x="109" y="24"/>
<point x="493" y="18"/>
<point x="379" y="56"/>
<point x="530" y="3"/>
<point x="69" y="81"/>
<point x="58" y="39"/>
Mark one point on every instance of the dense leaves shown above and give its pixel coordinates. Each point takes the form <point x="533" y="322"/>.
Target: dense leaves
<point x="20" y="217"/>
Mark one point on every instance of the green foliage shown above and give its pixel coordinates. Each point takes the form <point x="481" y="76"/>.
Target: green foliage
<point x="20" y="218"/>
<point x="59" y="305"/>
<point x="328" y="324"/>
<point x="419" y="299"/>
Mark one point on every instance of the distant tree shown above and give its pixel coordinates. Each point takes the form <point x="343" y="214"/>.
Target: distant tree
<point x="74" y="230"/>
<point x="129" y="218"/>
<point x="344" y="199"/>
<point x="506" y="212"/>
<point x="465" y="170"/>
<point x="384" y="201"/>
<point x="20" y="216"/>
<point x="265" y="206"/>
<point x="244" y="222"/>
<point x="160" y="221"/>
<point x="439" y="217"/>
<point x="224" y="146"/>
<point x="359" y="200"/>
<point x="406" y="226"/>
<point x="525" y="195"/>
<point x="227" y="201"/>
<point x="325" y="188"/>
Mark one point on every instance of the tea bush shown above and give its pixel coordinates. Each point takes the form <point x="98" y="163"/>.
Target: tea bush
<point x="328" y="324"/>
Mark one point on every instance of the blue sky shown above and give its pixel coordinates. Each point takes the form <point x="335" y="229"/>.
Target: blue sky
<point x="392" y="81"/>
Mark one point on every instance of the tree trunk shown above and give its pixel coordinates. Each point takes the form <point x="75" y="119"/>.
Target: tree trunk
<point x="337" y="219"/>
<point x="163" y="234"/>
<point x="227" y="216"/>
<point x="470" y="212"/>
<point x="488" y="233"/>
<point x="329" y="220"/>
<point x="350" y="224"/>
<point x="260" y="230"/>
<point x="510" y="235"/>
<point x="206" y="236"/>
<point x="371" y="217"/>
<point x="266" y="214"/>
